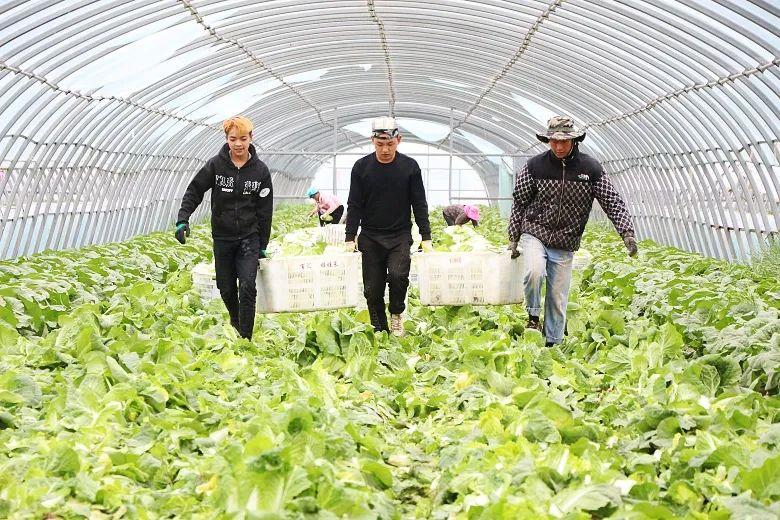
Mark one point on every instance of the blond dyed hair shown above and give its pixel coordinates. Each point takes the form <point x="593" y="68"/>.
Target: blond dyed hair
<point x="240" y="123"/>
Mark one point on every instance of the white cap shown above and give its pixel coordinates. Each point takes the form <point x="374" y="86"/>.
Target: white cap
<point x="384" y="125"/>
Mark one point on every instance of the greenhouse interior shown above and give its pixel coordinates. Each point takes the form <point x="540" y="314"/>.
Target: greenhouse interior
<point x="585" y="323"/>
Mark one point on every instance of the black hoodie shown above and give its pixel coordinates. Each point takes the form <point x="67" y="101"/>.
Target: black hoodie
<point x="242" y="199"/>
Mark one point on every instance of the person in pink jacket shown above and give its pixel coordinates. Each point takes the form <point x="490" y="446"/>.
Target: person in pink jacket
<point x="328" y="207"/>
<point x="459" y="214"/>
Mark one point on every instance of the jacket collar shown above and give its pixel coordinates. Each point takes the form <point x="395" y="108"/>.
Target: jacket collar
<point x="575" y="152"/>
<point x="224" y="154"/>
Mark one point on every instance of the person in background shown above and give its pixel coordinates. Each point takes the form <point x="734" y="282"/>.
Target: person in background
<point x="553" y="195"/>
<point x="242" y="204"/>
<point x="328" y="207"/>
<point x="459" y="214"/>
<point x="385" y="187"/>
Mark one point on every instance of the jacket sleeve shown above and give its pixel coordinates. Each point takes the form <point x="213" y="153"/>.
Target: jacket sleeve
<point x="193" y="196"/>
<point x="523" y="194"/>
<point x="265" y="210"/>
<point x="354" y="204"/>
<point x="613" y="205"/>
<point x="419" y="203"/>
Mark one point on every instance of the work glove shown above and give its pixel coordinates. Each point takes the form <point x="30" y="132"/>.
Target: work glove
<point x="182" y="230"/>
<point x="630" y="243"/>
<point x="326" y="218"/>
<point x="426" y="246"/>
<point x="263" y="253"/>
<point x="349" y="246"/>
<point x="513" y="247"/>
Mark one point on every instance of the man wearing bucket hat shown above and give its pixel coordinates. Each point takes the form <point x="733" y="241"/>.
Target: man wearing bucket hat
<point x="553" y="195"/>
<point x="385" y="187"/>
<point x="459" y="214"/>
<point x="327" y="206"/>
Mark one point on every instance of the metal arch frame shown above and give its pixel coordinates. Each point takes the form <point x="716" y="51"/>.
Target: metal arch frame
<point x="678" y="96"/>
<point x="308" y="133"/>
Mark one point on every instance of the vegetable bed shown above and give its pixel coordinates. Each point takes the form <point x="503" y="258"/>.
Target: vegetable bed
<point x="124" y="395"/>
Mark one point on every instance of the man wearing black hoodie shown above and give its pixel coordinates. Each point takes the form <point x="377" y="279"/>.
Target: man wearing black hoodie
<point x="241" y="209"/>
<point x="385" y="187"/>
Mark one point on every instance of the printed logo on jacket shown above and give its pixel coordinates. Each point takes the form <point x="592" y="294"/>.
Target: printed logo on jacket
<point x="251" y="187"/>
<point x="224" y="182"/>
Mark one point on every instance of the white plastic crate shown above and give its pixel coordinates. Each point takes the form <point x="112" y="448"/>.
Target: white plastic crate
<point x="474" y="278"/>
<point x="308" y="283"/>
<point x="334" y="234"/>
<point x="204" y="281"/>
<point x="582" y="259"/>
<point x="296" y="283"/>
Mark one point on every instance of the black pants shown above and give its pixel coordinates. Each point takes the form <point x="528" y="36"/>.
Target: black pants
<point x="236" y="261"/>
<point x="336" y="214"/>
<point x="447" y="219"/>
<point x="385" y="262"/>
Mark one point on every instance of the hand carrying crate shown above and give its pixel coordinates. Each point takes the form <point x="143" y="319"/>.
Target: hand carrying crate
<point x="474" y="278"/>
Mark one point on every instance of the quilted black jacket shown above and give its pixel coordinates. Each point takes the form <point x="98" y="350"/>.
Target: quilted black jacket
<point x="553" y="198"/>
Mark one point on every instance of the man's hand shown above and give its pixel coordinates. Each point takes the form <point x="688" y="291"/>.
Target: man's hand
<point x="326" y="218"/>
<point x="349" y="246"/>
<point x="426" y="246"/>
<point x="182" y="230"/>
<point x="630" y="243"/>
<point x="513" y="248"/>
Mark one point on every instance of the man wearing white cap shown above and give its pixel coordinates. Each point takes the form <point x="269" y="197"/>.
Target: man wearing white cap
<point x="553" y="196"/>
<point x="385" y="187"/>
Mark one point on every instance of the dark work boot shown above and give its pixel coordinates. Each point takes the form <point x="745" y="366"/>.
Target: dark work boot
<point x="376" y="312"/>
<point x="232" y="308"/>
<point x="549" y="344"/>
<point x="534" y="323"/>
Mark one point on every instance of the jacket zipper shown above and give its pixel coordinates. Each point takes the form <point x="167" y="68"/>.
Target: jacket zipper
<point x="560" y="196"/>
<point x="235" y="198"/>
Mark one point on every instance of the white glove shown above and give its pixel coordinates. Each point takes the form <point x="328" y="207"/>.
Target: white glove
<point x="349" y="247"/>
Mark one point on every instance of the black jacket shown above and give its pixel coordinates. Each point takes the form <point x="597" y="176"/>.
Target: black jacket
<point x="242" y="199"/>
<point x="381" y="197"/>
<point x="553" y="198"/>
